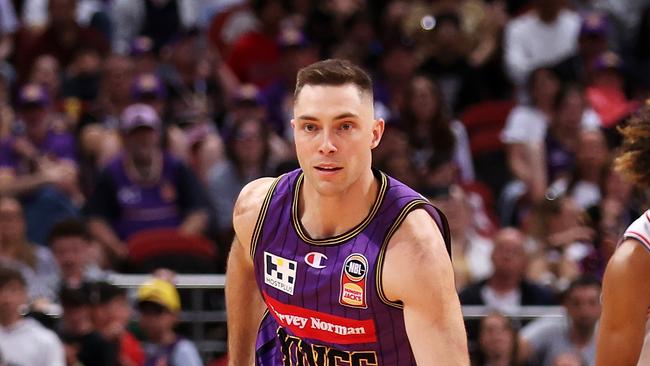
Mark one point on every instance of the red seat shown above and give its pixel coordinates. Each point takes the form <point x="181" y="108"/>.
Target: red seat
<point x="150" y="249"/>
<point x="484" y="122"/>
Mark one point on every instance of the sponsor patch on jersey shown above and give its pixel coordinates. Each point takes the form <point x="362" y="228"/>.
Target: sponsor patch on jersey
<point x="312" y="324"/>
<point x="279" y="273"/>
<point x="354" y="276"/>
<point x="316" y="260"/>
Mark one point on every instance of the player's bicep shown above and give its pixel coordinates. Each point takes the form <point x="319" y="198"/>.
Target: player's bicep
<point x="625" y="299"/>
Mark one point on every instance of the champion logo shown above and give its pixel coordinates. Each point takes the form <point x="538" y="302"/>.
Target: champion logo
<point x="316" y="260"/>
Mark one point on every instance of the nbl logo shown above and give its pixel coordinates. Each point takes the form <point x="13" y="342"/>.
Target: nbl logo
<point x="353" y="281"/>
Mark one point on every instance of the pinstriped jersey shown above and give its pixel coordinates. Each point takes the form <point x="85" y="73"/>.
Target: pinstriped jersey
<point x="325" y="300"/>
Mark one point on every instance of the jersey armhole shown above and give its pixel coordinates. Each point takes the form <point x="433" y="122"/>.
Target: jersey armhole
<point x="638" y="237"/>
<point x="261" y="217"/>
<point x="408" y="208"/>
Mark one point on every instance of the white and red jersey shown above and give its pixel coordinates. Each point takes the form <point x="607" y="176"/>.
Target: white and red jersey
<point x="640" y="230"/>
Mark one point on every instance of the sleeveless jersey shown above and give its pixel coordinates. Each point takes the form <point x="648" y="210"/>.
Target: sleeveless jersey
<point x="640" y="230"/>
<point x="325" y="300"/>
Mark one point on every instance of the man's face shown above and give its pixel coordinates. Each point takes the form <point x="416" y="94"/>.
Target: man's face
<point x="509" y="255"/>
<point x="12" y="222"/>
<point x="334" y="131"/>
<point x="155" y="320"/>
<point x="70" y="253"/>
<point x="583" y="306"/>
<point x="12" y="296"/>
<point x="142" y="143"/>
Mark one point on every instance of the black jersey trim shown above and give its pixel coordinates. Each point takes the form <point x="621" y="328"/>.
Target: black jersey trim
<point x="412" y="205"/>
<point x="261" y="217"/>
<point x="338" y="239"/>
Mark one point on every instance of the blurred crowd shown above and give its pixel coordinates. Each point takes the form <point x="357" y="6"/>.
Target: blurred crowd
<point x="128" y="128"/>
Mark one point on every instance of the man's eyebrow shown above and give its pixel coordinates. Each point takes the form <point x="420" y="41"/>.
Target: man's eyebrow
<point x="346" y="115"/>
<point x="307" y="117"/>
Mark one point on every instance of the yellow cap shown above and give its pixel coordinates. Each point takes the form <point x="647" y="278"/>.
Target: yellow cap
<point x="160" y="292"/>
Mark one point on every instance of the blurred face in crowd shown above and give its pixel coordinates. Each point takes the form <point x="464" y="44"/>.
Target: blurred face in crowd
<point x="71" y="254"/>
<point x="544" y="87"/>
<point x="583" y="307"/>
<point x="62" y="12"/>
<point x="156" y="320"/>
<point x="496" y="336"/>
<point x="142" y="144"/>
<point x="549" y="9"/>
<point x="35" y="118"/>
<point x="46" y="72"/>
<point x="592" y="151"/>
<point x="509" y="256"/>
<point x="570" y="109"/>
<point x="113" y="316"/>
<point x="249" y="144"/>
<point x="424" y="102"/>
<point x="117" y="77"/>
<point x="334" y="132"/>
<point x="12" y="222"/>
<point x="13" y="295"/>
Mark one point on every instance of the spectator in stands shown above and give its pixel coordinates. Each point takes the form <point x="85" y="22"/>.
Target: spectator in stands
<point x="248" y="158"/>
<point x="63" y="37"/>
<point x="546" y="338"/>
<point x="110" y="314"/>
<point x="149" y="89"/>
<point x="159" y="306"/>
<point x="254" y="57"/>
<point x="145" y="188"/>
<point x="507" y="289"/>
<point x="143" y="55"/>
<point x="23" y="341"/>
<point x="432" y="131"/>
<point x="449" y="62"/>
<point x="470" y="248"/>
<point x="583" y="183"/>
<point x="545" y="36"/>
<point x="563" y="241"/>
<point x="35" y="262"/>
<point x="46" y="72"/>
<point x="77" y="324"/>
<point x="497" y="343"/>
<point x="71" y="245"/>
<point x="39" y="166"/>
<point x="593" y="41"/>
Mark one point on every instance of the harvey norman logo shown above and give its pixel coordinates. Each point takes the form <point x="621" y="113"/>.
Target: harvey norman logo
<point x="312" y="324"/>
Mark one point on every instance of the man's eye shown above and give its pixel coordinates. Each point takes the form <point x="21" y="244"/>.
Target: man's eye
<point x="309" y="127"/>
<point x="346" y="126"/>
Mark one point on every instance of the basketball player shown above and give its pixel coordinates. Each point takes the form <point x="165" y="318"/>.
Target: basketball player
<point x="337" y="263"/>
<point x="626" y="285"/>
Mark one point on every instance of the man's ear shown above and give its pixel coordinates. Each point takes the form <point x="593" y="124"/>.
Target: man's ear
<point x="377" y="132"/>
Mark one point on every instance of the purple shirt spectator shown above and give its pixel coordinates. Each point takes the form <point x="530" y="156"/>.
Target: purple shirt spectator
<point x="56" y="145"/>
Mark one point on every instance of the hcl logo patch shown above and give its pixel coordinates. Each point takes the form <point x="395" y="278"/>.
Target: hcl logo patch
<point x="279" y="272"/>
<point x="316" y="260"/>
<point x="353" y="281"/>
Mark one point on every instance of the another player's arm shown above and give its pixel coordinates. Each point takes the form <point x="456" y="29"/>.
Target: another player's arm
<point x="626" y="297"/>
<point x="244" y="305"/>
<point x="418" y="272"/>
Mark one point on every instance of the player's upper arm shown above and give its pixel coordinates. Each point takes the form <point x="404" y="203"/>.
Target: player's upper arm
<point x="625" y="298"/>
<point x="418" y="273"/>
<point x="247" y="209"/>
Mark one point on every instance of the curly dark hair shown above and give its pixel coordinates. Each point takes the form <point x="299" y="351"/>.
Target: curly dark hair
<point x="633" y="160"/>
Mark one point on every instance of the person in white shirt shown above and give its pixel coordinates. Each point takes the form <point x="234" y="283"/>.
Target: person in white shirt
<point x="24" y="341"/>
<point x="545" y="36"/>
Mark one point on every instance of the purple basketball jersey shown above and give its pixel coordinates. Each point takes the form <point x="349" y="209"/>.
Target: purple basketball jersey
<point x="325" y="300"/>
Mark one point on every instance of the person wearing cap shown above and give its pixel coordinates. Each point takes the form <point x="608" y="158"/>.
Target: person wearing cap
<point x="144" y="188"/>
<point x="160" y="306"/>
<point x="39" y="166"/>
<point x="149" y="89"/>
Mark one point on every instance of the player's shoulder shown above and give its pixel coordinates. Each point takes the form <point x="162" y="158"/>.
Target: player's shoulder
<point x="418" y="235"/>
<point x="251" y="198"/>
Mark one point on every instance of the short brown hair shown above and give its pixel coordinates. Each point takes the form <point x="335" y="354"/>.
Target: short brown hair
<point x="10" y="274"/>
<point x="333" y="72"/>
<point x="633" y="161"/>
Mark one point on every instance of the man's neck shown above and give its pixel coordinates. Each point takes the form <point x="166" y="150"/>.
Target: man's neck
<point x="10" y="320"/>
<point x="503" y="284"/>
<point x="581" y="337"/>
<point x="327" y="216"/>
